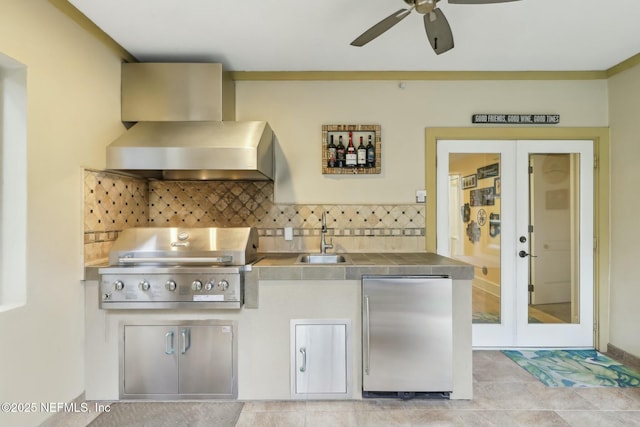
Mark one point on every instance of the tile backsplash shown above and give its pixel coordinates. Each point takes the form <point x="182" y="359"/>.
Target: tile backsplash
<point x="114" y="202"/>
<point x="111" y="203"/>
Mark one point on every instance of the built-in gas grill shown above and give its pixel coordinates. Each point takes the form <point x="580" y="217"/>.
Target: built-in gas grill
<point x="164" y="268"/>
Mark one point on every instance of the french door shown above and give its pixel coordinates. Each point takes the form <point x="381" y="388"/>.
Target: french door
<point x="521" y="212"/>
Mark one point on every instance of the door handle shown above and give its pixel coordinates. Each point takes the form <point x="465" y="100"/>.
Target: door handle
<point x="524" y="254"/>
<point x="367" y="335"/>
<point x="186" y="340"/>
<point x="303" y="351"/>
<point x="168" y="343"/>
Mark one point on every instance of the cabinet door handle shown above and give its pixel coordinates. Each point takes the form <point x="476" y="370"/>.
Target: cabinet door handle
<point x="186" y="340"/>
<point x="303" y="351"/>
<point x="367" y="336"/>
<point x="168" y="343"/>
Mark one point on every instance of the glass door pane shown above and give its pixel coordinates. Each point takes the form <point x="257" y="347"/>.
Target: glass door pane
<point x="475" y="224"/>
<point x="554" y="279"/>
<point x="474" y="227"/>
<point x="554" y="261"/>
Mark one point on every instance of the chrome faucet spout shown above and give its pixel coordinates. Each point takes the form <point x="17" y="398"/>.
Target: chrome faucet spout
<point x="323" y="243"/>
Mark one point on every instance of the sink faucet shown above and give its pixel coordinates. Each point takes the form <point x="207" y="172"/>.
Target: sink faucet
<point x="323" y="244"/>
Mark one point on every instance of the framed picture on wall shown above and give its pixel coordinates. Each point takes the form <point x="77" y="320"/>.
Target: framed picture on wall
<point x="489" y="171"/>
<point x="469" y="181"/>
<point x="368" y="162"/>
<point x="482" y="197"/>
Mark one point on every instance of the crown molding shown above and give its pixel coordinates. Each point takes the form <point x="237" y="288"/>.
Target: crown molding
<point x="624" y="65"/>
<point x="416" y="75"/>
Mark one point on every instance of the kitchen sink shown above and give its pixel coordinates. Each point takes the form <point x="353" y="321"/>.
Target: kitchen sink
<point x="323" y="259"/>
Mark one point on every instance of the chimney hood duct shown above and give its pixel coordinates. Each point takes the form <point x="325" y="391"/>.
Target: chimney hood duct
<point x="185" y="128"/>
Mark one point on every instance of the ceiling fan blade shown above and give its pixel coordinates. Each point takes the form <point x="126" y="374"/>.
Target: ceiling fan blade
<point x="478" y="1"/>
<point x="438" y="31"/>
<point x="381" y="27"/>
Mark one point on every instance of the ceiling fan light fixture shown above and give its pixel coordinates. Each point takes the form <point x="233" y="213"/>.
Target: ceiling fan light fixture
<point x="435" y="23"/>
<point x="425" y="6"/>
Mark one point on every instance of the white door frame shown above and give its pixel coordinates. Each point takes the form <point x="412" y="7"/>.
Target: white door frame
<point x="518" y="331"/>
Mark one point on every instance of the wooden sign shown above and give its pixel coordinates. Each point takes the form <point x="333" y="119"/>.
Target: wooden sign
<point x="516" y="119"/>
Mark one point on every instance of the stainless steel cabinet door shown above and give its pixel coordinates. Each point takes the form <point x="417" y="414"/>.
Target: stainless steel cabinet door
<point x="150" y="360"/>
<point x="206" y="359"/>
<point x="407" y="334"/>
<point x="321" y="359"/>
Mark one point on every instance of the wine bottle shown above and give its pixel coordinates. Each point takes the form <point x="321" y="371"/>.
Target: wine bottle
<point x="331" y="151"/>
<point x="340" y="153"/>
<point x="362" y="155"/>
<point x="351" y="156"/>
<point x="371" y="154"/>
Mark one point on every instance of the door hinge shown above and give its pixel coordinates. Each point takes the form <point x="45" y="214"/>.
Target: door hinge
<point x="595" y="162"/>
<point x="595" y="243"/>
<point x="530" y="288"/>
<point x="530" y="169"/>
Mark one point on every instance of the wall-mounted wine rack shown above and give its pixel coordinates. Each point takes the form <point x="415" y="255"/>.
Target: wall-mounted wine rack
<point x="357" y="130"/>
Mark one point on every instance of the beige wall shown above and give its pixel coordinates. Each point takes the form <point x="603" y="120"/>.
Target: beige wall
<point x="296" y="111"/>
<point x="624" y="106"/>
<point x="73" y="111"/>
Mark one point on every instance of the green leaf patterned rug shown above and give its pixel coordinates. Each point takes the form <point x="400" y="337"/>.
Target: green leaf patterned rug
<point x="574" y="368"/>
<point x="487" y="317"/>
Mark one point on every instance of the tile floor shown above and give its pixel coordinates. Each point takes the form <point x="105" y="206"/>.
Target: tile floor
<point x="504" y="395"/>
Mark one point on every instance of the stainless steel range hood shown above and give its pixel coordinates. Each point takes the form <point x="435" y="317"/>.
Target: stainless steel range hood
<point x="185" y="128"/>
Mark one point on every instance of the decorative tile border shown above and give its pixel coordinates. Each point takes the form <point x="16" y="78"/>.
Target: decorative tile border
<point x="304" y="232"/>
<point x="100" y="236"/>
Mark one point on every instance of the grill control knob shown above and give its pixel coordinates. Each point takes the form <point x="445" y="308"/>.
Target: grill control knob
<point x="208" y="286"/>
<point x="118" y="285"/>
<point x="170" y="285"/>
<point x="196" y="285"/>
<point x="144" y="285"/>
<point x="223" y="284"/>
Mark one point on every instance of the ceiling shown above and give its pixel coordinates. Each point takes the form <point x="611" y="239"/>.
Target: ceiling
<point x="295" y="35"/>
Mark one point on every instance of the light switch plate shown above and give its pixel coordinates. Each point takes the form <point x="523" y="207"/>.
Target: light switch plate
<point x="288" y="233"/>
<point x="421" y="196"/>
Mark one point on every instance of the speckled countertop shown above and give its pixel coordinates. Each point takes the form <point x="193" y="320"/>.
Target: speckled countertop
<point x="283" y="266"/>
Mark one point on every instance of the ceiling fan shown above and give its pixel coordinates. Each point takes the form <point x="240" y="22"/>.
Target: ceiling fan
<point x="437" y="27"/>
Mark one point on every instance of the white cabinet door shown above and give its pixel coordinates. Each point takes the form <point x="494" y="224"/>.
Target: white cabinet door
<point x="321" y="359"/>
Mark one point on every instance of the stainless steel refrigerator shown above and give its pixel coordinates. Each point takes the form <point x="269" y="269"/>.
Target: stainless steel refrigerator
<point x="407" y="336"/>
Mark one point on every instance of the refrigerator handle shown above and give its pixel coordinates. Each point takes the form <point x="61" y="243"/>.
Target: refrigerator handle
<point x="367" y="335"/>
